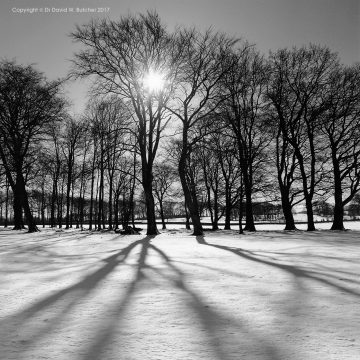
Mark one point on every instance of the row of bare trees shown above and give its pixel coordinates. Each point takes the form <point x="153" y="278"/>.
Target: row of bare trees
<point x="235" y="125"/>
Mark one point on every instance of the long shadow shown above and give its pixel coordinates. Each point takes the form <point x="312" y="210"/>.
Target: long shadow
<point x="295" y="271"/>
<point x="327" y="237"/>
<point x="66" y="298"/>
<point x="39" y="254"/>
<point x="39" y="240"/>
<point x="209" y="319"/>
<point x="106" y="332"/>
<point x="212" y="268"/>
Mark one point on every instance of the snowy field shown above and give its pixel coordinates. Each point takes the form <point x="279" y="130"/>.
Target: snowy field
<point x="71" y="295"/>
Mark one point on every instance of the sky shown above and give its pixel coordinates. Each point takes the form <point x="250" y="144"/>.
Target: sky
<point x="42" y="38"/>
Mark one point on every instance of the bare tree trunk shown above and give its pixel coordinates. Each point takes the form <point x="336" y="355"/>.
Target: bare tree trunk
<point x="150" y="205"/>
<point x="241" y="230"/>
<point x="60" y="204"/>
<point x="110" y="202"/>
<point x="53" y="203"/>
<point x="249" y="221"/>
<point x="241" y="200"/>
<point x="96" y="205"/>
<point x="192" y="206"/>
<point x="116" y="211"/>
<point x="6" y="203"/>
<point x="310" y="214"/>
<point x="72" y="205"/>
<point x="162" y="215"/>
<point x="287" y="210"/>
<point x="17" y="209"/>
<point x="43" y="205"/>
<point x="338" y="221"/>
<point x="21" y="190"/>
<point x="92" y="193"/>
<point x="308" y="193"/>
<point x="132" y="191"/>
<point x="190" y="195"/>
<point x="228" y="208"/>
<point x="187" y="218"/>
<point x="215" y="224"/>
<point x="100" y="198"/>
<point x="68" y="192"/>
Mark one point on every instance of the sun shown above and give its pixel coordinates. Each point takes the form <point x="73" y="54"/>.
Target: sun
<point x="154" y="81"/>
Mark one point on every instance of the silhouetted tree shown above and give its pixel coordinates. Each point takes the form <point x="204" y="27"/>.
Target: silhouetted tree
<point x="28" y="104"/>
<point x="164" y="179"/>
<point x="120" y="54"/>
<point x="201" y="67"/>
<point x="245" y="86"/>
<point x="341" y="125"/>
<point x="72" y="143"/>
<point x="301" y="77"/>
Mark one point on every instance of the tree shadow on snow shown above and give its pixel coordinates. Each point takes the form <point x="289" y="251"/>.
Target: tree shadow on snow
<point x="267" y="258"/>
<point x="321" y="236"/>
<point x="212" y="321"/>
<point x="55" y="307"/>
<point x="44" y="317"/>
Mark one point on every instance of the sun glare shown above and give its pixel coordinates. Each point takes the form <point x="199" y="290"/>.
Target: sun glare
<point x="154" y="81"/>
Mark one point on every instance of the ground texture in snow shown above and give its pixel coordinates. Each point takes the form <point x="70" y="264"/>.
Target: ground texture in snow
<point x="71" y="295"/>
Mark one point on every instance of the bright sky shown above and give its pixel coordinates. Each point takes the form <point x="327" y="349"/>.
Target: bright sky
<point x="42" y="38"/>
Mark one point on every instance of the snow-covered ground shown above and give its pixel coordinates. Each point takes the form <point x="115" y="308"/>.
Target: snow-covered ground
<point x="271" y="295"/>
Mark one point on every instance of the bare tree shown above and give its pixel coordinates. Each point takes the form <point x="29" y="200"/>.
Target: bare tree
<point x="341" y="125"/>
<point x="5" y="197"/>
<point x="121" y="55"/>
<point x="164" y="179"/>
<point x="225" y="152"/>
<point x="28" y="103"/>
<point x="283" y="158"/>
<point x="302" y="76"/>
<point x="201" y="68"/>
<point x="288" y="178"/>
<point x="245" y="87"/>
<point x="213" y="182"/>
<point x="72" y="144"/>
<point x="117" y="141"/>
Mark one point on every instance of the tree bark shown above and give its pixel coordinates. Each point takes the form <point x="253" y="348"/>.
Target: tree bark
<point x="6" y="204"/>
<point x="241" y="230"/>
<point x="228" y="206"/>
<point x="187" y="218"/>
<point x="43" y="205"/>
<point x="110" y="203"/>
<point x="30" y="221"/>
<point x="310" y="214"/>
<point x="249" y="221"/>
<point x="92" y="192"/>
<point x="100" y="197"/>
<point x="190" y="194"/>
<point x="17" y="208"/>
<point x="287" y="211"/>
<point x="116" y="211"/>
<point x="338" y="221"/>
<point x="150" y="203"/>
<point x="162" y="214"/>
<point x="53" y="202"/>
<point x="68" y="191"/>
<point x="190" y="199"/>
<point x="227" y="217"/>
